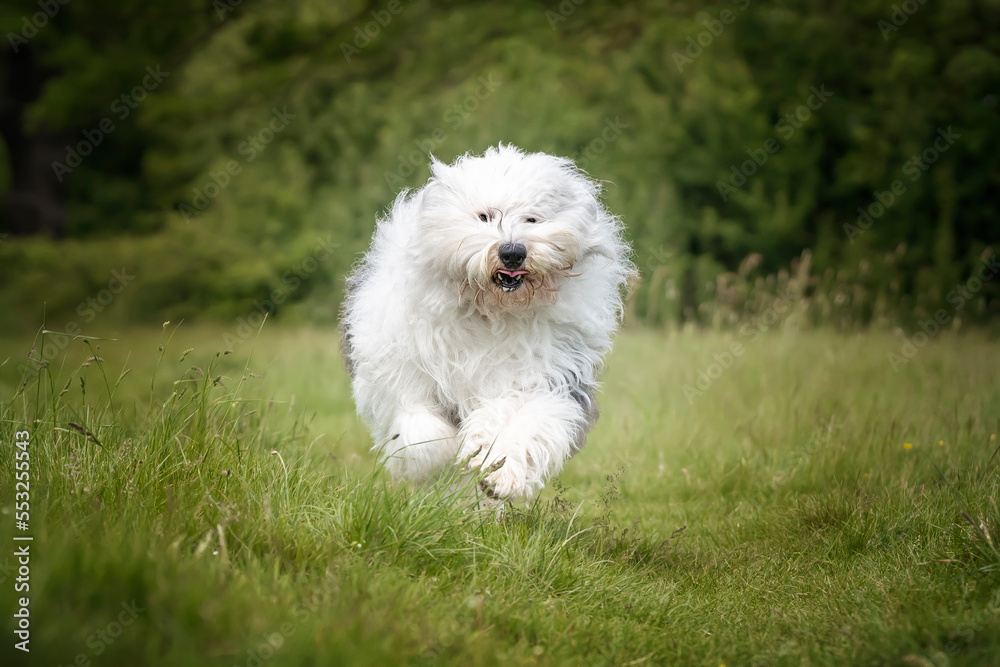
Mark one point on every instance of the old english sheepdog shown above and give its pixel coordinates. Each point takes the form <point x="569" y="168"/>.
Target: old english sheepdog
<point x="475" y="327"/>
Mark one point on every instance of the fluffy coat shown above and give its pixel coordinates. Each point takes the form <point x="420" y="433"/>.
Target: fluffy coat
<point x="458" y="351"/>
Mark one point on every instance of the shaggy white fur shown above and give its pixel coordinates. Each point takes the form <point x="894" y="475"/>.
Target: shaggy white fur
<point x="476" y="324"/>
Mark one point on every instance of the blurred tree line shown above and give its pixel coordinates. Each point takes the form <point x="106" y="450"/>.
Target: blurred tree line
<point x="233" y="155"/>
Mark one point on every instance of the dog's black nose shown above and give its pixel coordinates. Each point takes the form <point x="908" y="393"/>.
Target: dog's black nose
<point x="512" y="254"/>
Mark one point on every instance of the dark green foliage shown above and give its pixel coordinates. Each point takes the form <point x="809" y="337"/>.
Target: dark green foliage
<point x="677" y="118"/>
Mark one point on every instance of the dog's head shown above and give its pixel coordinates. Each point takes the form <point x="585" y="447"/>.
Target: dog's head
<point x="508" y="228"/>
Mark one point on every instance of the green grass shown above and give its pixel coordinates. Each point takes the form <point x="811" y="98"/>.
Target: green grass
<point x="776" y="519"/>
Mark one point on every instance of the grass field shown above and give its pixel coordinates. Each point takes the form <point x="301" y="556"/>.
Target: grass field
<point x="807" y="505"/>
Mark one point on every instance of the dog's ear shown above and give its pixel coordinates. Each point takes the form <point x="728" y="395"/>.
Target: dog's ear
<point x="591" y="205"/>
<point x="584" y="193"/>
<point x="438" y="169"/>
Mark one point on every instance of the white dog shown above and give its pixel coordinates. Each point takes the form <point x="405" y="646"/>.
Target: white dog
<point x="475" y="326"/>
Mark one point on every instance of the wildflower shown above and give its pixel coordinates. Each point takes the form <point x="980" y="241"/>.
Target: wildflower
<point x="941" y="443"/>
<point x="908" y="445"/>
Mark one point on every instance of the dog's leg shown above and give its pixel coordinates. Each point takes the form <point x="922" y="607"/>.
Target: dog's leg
<point x="483" y="449"/>
<point x="420" y="442"/>
<point x="520" y="442"/>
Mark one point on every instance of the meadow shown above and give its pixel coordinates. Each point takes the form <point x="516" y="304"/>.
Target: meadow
<point x="802" y="502"/>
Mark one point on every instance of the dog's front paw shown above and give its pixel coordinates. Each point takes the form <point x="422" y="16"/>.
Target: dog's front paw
<point x="502" y="477"/>
<point x="504" y="480"/>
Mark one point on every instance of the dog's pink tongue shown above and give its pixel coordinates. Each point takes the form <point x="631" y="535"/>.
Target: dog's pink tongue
<point x="512" y="274"/>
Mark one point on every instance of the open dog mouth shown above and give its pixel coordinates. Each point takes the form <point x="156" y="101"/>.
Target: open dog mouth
<point x="509" y="280"/>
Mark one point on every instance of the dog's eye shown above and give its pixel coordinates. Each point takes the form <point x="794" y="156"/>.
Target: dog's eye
<point x="530" y="220"/>
<point x="484" y="217"/>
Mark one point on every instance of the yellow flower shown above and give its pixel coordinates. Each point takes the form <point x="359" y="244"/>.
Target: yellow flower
<point x="908" y="445"/>
<point x="993" y="436"/>
<point x="941" y="443"/>
<point x="866" y="475"/>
